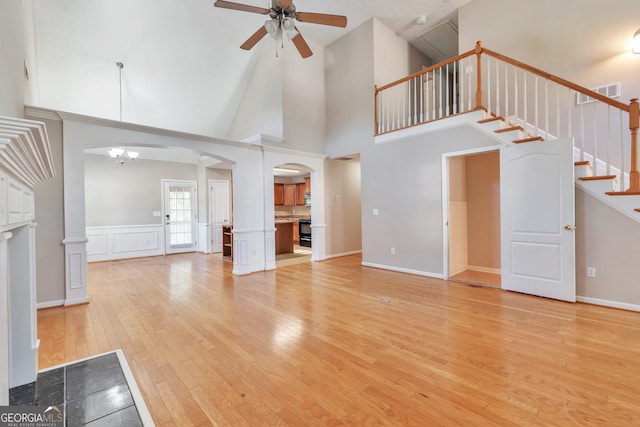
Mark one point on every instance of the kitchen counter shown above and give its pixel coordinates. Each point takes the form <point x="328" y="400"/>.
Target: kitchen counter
<point x="290" y="219"/>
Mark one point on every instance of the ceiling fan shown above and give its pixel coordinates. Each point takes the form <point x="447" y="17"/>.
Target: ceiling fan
<point x="283" y="14"/>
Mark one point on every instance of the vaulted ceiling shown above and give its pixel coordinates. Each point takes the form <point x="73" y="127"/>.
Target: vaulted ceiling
<point x="183" y="68"/>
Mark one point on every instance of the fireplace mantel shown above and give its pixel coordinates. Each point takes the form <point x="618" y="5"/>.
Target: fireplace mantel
<point x="25" y="161"/>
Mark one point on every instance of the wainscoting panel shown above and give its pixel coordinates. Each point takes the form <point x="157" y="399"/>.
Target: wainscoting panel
<point x="108" y="243"/>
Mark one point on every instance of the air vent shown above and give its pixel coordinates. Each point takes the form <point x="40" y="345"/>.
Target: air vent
<point x="26" y="72"/>
<point x="612" y="91"/>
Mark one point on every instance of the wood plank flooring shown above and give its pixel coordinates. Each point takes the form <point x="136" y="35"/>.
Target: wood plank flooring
<point x="334" y="343"/>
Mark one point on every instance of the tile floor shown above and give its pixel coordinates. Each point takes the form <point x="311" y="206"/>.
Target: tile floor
<point x="92" y="392"/>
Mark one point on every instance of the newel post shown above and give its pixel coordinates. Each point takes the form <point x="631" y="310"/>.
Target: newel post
<point x="478" y="51"/>
<point x="634" y="124"/>
<point x="375" y="110"/>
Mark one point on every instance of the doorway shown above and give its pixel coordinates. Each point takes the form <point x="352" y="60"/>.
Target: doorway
<point x="219" y="211"/>
<point x="180" y="216"/>
<point x="474" y="237"/>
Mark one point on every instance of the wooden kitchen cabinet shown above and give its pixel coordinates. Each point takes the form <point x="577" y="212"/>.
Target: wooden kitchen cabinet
<point x="289" y="195"/>
<point x="307" y="185"/>
<point x="284" y="238"/>
<point x="296" y="233"/>
<point x="278" y="194"/>
<point x="300" y="192"/>
<point x="227" y="242"/>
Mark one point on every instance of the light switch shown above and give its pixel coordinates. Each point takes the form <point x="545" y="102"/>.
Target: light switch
<point x="157" y="213"/>
<point x="376" y="212"/>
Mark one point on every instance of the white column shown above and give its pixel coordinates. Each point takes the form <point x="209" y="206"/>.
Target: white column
<point x="318" y="225"/>
<point x="23" y="335"/>
<point x="4" y="320"/>
<point x="75" y="239"/>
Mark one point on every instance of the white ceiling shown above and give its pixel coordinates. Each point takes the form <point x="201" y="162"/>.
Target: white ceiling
<point x="183" y="68"/>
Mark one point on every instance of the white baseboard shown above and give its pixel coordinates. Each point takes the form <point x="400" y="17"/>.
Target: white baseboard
<point x="404" y="270"/>
<point x="484" y="269"/>
<point x="343" y="254"/>
<point x="608" y="303"/>
<point x="49" y="304"/>
<point x="70" y="302"/>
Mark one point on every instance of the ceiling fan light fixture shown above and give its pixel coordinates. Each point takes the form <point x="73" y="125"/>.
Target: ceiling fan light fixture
<point x="272" y="26"/>
<point x="289" y="27"/>
<point x="115" y="153"/>
<point x="635" y="44"/>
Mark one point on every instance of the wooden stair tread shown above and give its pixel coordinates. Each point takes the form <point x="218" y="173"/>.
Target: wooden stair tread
<point x="509" y="129"/>
<point x="582" y="163"/>
<point x="490" y="119"/>
<point x="623" y="193"/>
<point x="531" y="139"/>
<point x="596" y="178"/>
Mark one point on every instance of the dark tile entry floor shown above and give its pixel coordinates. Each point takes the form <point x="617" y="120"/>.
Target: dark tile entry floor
<point x="92" y="392"/>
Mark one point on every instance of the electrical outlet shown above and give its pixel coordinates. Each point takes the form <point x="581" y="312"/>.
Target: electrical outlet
<point x="468" y="69"/>
<point x="376" y="212"/>
<point x="591" y="272"/>
<point x="393" y="251"/>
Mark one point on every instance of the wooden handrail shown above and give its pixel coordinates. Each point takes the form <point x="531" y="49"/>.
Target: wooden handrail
<point x="633" y="108"/>
<point x="559" y="80"/>
<point x="425" y="71"/>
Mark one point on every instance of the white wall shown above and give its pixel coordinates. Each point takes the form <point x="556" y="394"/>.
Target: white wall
<point x="260" y="108"/>
<point x="13" y="52"/>
<point x="175" y="55"/>
<point x="128" y="194"/>
<point x="403" y="180"/>
<point x="349" y="83"/>
<point x="585" y="41"/>
<point x="610" y="242"/>
<point x="303" y="87"/>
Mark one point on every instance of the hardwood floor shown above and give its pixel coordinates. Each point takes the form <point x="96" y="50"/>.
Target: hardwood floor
<point x="334" y="343"/>
<point x="478" y="278"/>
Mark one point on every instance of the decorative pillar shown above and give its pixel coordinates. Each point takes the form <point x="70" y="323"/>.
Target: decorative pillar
<point x="75" y="238"/>
<point x="23" y="336"/>
<point x="4" y="320"/>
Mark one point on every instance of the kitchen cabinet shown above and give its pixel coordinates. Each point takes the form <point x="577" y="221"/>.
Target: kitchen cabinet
<point x="289" y="195"/>
<point x="300" y="192"/>
<point x="296" y="233"/>
<point x="284" y="238"/>
<point x="307" y="185"/>
<point x="278" y="194"/>
<point x="227" y="242"/>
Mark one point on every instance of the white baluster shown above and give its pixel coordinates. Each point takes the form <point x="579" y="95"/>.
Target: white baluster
<point x="433" y="93"/>
<point x="488" y="88"/>
<point x="595" y="137"/>
<point x="497" y="88"/>
<point x="506" y="92"/>
<point x="558" y="110"/>
<point x="448" y="111"/>
<point x="546" y="109"/>
<point x="608" y="139"/>
<point x="422" y="120"/>
<point x="623" y="184"/>
<point x="456" y="67"/>
<point x="582" y="138"/>
<point x="469" y="87"/>
<point x="525" y="100"/>
<point x="516" y="99"/>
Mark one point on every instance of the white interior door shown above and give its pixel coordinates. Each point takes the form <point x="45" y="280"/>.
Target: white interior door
<point x="219" y="211"/>
<point x="180" y="216"/>
<point x="538" y="214"/>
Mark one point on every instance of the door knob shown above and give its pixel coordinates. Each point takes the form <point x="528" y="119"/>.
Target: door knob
<point x="569" y="228"/>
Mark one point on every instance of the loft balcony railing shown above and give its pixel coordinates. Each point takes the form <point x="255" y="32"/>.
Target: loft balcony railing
<point x="605" y="130"/>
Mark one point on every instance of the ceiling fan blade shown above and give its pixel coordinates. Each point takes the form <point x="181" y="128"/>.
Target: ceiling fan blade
<point x="254" y="39"/>
<point x="241" y="7"/>
<point x="302" y="46"/>
<point x="322" y="18"/>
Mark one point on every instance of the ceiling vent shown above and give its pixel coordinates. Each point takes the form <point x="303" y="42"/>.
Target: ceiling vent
<point x="612" y="91"/>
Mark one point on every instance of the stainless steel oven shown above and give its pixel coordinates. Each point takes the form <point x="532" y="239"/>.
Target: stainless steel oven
<point x="305" y="232"/>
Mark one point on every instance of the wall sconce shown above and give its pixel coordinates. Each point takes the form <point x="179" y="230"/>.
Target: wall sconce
<point x="635" y="44"/>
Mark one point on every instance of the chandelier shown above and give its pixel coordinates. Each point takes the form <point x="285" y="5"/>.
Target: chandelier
<point x="120" y="155"/>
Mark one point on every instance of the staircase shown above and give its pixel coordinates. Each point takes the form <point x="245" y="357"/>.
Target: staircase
<point x="518" y="104"/>
<point x="605" y="188"/>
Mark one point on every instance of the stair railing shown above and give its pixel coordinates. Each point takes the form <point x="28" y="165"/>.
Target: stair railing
<point x="539" y="103"/>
